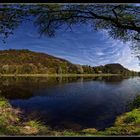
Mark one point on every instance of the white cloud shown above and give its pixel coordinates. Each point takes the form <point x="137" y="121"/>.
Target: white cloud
<point x="128" y="60"/>
<point x="120" y="53"/>
<point x="100" y="53"/>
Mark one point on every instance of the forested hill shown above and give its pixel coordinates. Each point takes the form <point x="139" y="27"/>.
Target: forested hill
<point x="29" y="62"/>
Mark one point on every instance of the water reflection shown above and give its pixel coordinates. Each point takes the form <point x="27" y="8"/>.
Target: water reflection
<point x="24" y="87"/>
<point x="72" y="102"/>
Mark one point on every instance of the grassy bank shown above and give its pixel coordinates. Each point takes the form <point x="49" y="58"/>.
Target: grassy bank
<point x="56" y="75"/>
<point x="12" y="123"/>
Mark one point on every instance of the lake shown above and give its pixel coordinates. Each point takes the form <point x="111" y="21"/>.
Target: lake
<point x="71" y="102"/>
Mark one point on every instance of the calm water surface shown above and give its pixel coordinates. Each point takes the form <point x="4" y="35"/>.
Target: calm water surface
<point x="72" y="103"/>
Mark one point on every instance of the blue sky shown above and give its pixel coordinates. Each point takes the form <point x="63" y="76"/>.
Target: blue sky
<point x="82" y="45"/>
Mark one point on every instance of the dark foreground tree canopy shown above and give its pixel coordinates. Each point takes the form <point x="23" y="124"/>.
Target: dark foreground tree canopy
<point x="28" y="62"/>
<point x="121" y="21"/>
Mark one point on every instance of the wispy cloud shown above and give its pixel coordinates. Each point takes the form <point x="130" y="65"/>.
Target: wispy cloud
<point x="81" y="46"/>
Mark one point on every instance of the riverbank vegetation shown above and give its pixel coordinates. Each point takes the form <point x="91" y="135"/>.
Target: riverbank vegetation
<point x="12" y="122"/>
<point x="57" y="75"/>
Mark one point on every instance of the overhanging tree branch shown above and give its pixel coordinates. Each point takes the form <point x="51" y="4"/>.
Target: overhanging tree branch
<point x="91" y="15"/>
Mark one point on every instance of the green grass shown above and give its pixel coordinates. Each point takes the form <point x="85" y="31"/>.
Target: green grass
<point x="57" y="75"/>
<point x="4" y="103"/>
<point x="8" y="118"/>
<point x="10" y="122"/>
<point x="126" y="124"/>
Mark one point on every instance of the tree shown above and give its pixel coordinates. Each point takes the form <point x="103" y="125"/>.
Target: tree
<point x="59" y="71"/>
<point x="50" y="17"/>
<point x="5" y="68"/>
<point x="80" y="69"/>
<point x="11" y="16"/>
<point x="121" y="21"/>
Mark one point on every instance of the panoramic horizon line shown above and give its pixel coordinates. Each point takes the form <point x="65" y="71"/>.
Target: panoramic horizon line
<point x="10" y="49"/>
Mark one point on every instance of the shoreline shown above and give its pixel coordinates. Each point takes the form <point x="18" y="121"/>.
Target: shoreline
<point x="126" y="124"/>
<point x="57" y="75"/>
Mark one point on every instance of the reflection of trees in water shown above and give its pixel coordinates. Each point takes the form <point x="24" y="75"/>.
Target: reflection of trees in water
<point x="15" y="92"/>
<point x="58" y="79"/>
<point x="24" y="87"/>
<point x="114" y="79"/>
<point x="36" y="80"/>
